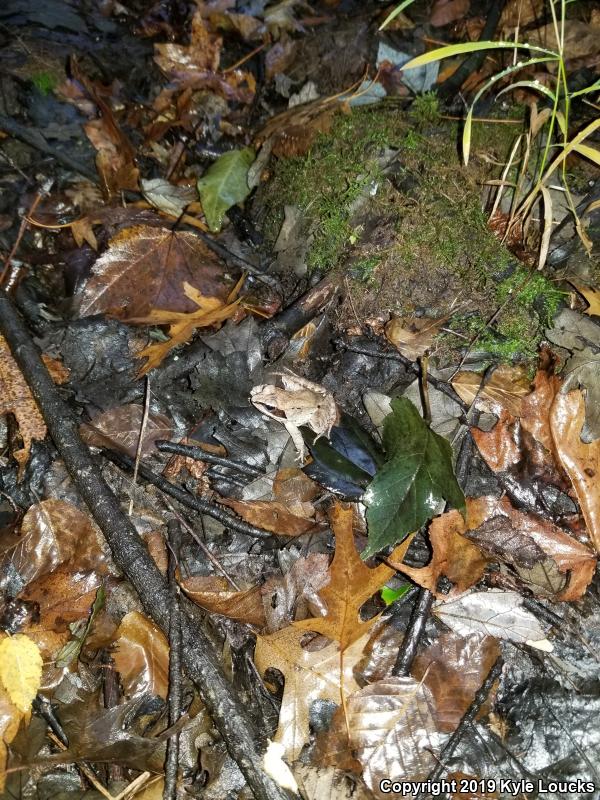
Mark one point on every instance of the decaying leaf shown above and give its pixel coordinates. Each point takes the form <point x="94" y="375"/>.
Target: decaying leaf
<point x="446" y="11"/>
<point x="352" y="584"/>
<point x="166" y="197"/>
<point x="20" y="670"/>
<point x="414" y="337"/>
<point x="16" y="398"/>
<point x="10" y="720"/>
<point x="328" y="783"/>
<point x="592" y="297"/>
<point x="454" y="557"/>
<point x="224" y="184"/>
<point x="453" y="668"/>
<point x="300" y="402"/>
<point x="309" y="675"/>
<point x="210" y="311"/>
<point x="141" y="656"/>
<point x="493" y="613"/>
<point x="580" y="461"/>
<point x="54" y="532"/>
<point x="394" y="731"/>
<point x="506" y="387"/>
<point x="120" y="428"/>
<point x="271" y="515"/>
<point x="147" y="268"/>
<point x="216" y="595"/>
<point x="417" y="475"/>
<point x="525" y="540"/>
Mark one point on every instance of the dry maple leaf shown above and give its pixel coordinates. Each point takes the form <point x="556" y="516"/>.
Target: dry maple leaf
<point x="580" y="461"/>
<point x="147" y="268"/>
<point x="352" y="584"/>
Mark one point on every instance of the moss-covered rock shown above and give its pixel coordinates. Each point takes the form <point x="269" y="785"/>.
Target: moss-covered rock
<point x="387" y="202"/>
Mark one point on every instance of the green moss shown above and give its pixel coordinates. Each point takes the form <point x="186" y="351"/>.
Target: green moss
<point x="425" y="110"/>
<point x="46" y="82"/>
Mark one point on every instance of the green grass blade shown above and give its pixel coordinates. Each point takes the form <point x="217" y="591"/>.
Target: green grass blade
<point x="398" y="10"/>
<point x="595" y="87"/>
<point x="589" y="152"/>
<point x="473" y="47"/>
<point x="535" y="86"/>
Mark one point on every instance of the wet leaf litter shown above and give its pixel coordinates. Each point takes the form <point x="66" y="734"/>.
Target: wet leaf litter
<point x="299" y="419"/>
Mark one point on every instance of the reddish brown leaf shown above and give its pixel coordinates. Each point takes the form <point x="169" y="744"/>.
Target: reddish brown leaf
<point x="447" y="11"/>
<point x="54" y="532"/>
<point x="146" y="268"/>
<point x="63" y="596"/>
<point x="453" y="668"/>
<point x="120" y="428"/>
<point x="270" y="515"/>
<point x="581" y="461"/>
<point x="454" y="557"/>
<point x="216" y="595"/>
<point x="142" y="656"/>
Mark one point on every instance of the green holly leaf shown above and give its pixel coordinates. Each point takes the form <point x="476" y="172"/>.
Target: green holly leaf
<point x="224" y="184"/>
<point x="417" y="475"/>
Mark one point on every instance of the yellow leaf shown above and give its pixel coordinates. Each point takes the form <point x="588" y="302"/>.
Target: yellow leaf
<point x="593" y="298"/>
<point x="20" y="669"/>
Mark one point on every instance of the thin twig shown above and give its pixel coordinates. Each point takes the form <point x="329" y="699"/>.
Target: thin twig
<point x="187" y="499"/>
<point x="410" y="644"/>
<point x="468" y="718"/>
<point x="198" y="454"/>
<point x="131" y="556"/>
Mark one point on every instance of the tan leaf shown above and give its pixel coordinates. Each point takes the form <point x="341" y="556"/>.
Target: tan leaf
<point x="16" y="398"/>
<point x="120" y="429"/>
<point x="453" y="668"/>
<point x="146" y="268"/>
<point x="454" y="557"/>
<point x="393" y="729"/>
<point x="63" y="596"/>
<point x="83" y="231"/>
<point x="327" y="783"/>
<point x="525" y="540"/>
<point x="580" y="461"/>
<point x="300" y="402"/>
<point x="324" y="674"/>
<point x="216" y="595"/>
<point x="593" y="299"/>
<point x="352" y="584"/>
<point x="447" y="11"/>
<point x="413" y="337"/>
<point x="507" y="386"/>
<point x="54" y="532"/>
<point x="20" y="670"/>
<point x="270" y="515"/>
<point x="142" y="656"/>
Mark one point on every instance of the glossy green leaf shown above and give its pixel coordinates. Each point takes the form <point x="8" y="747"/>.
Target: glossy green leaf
<point x="224" y="184"/>
<point x="417" y="475"/>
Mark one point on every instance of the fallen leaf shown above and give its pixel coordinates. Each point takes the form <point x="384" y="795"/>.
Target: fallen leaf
<point x="580" y="461"/>
<point x="453" y="669"/>
<point x="141" y="657"/>
<point x="83" y="231"/>
<point x="225" y="184"/>
<point x="63" y="596"/>
<point x="270" y="515"/>
<point x="352" y="584"/>
<point x="328" y="783"/>
<point x="454" y="557"/>
<point x="581" y="335"/>
<point x="54" y="532"/>
<point x="300" y="402"/>
<point x="16" y="398"/>
<point x="517" y="14"/>
<point x="592" y="297"/>
<point x="211" y="311"/>
<point x="10" y="720"/>
<point x="493" y="613"/>
<point x="394" y="731"/>
<point x="507" y="386"/>
<point x="578" y="38"/>
<point x="120" y="428"/>
<point x="166" y="197"/>
<point x="417" y="475"/>
<point x="323" y="674"/>
<point x="446" y="11"/>
<point x="525" y="540"/>
<point x="414" y="337"/>
<point x="216" y="595"/>
<point x="147" y="268"/>
<point x="202" y="54"/>
<point x="20" y="670"/>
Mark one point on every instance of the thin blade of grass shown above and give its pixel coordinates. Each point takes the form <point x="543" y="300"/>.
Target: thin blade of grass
<point x="547" y="230"/>
<point x="472" y="47"/>
<point x="396" y="12"/>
